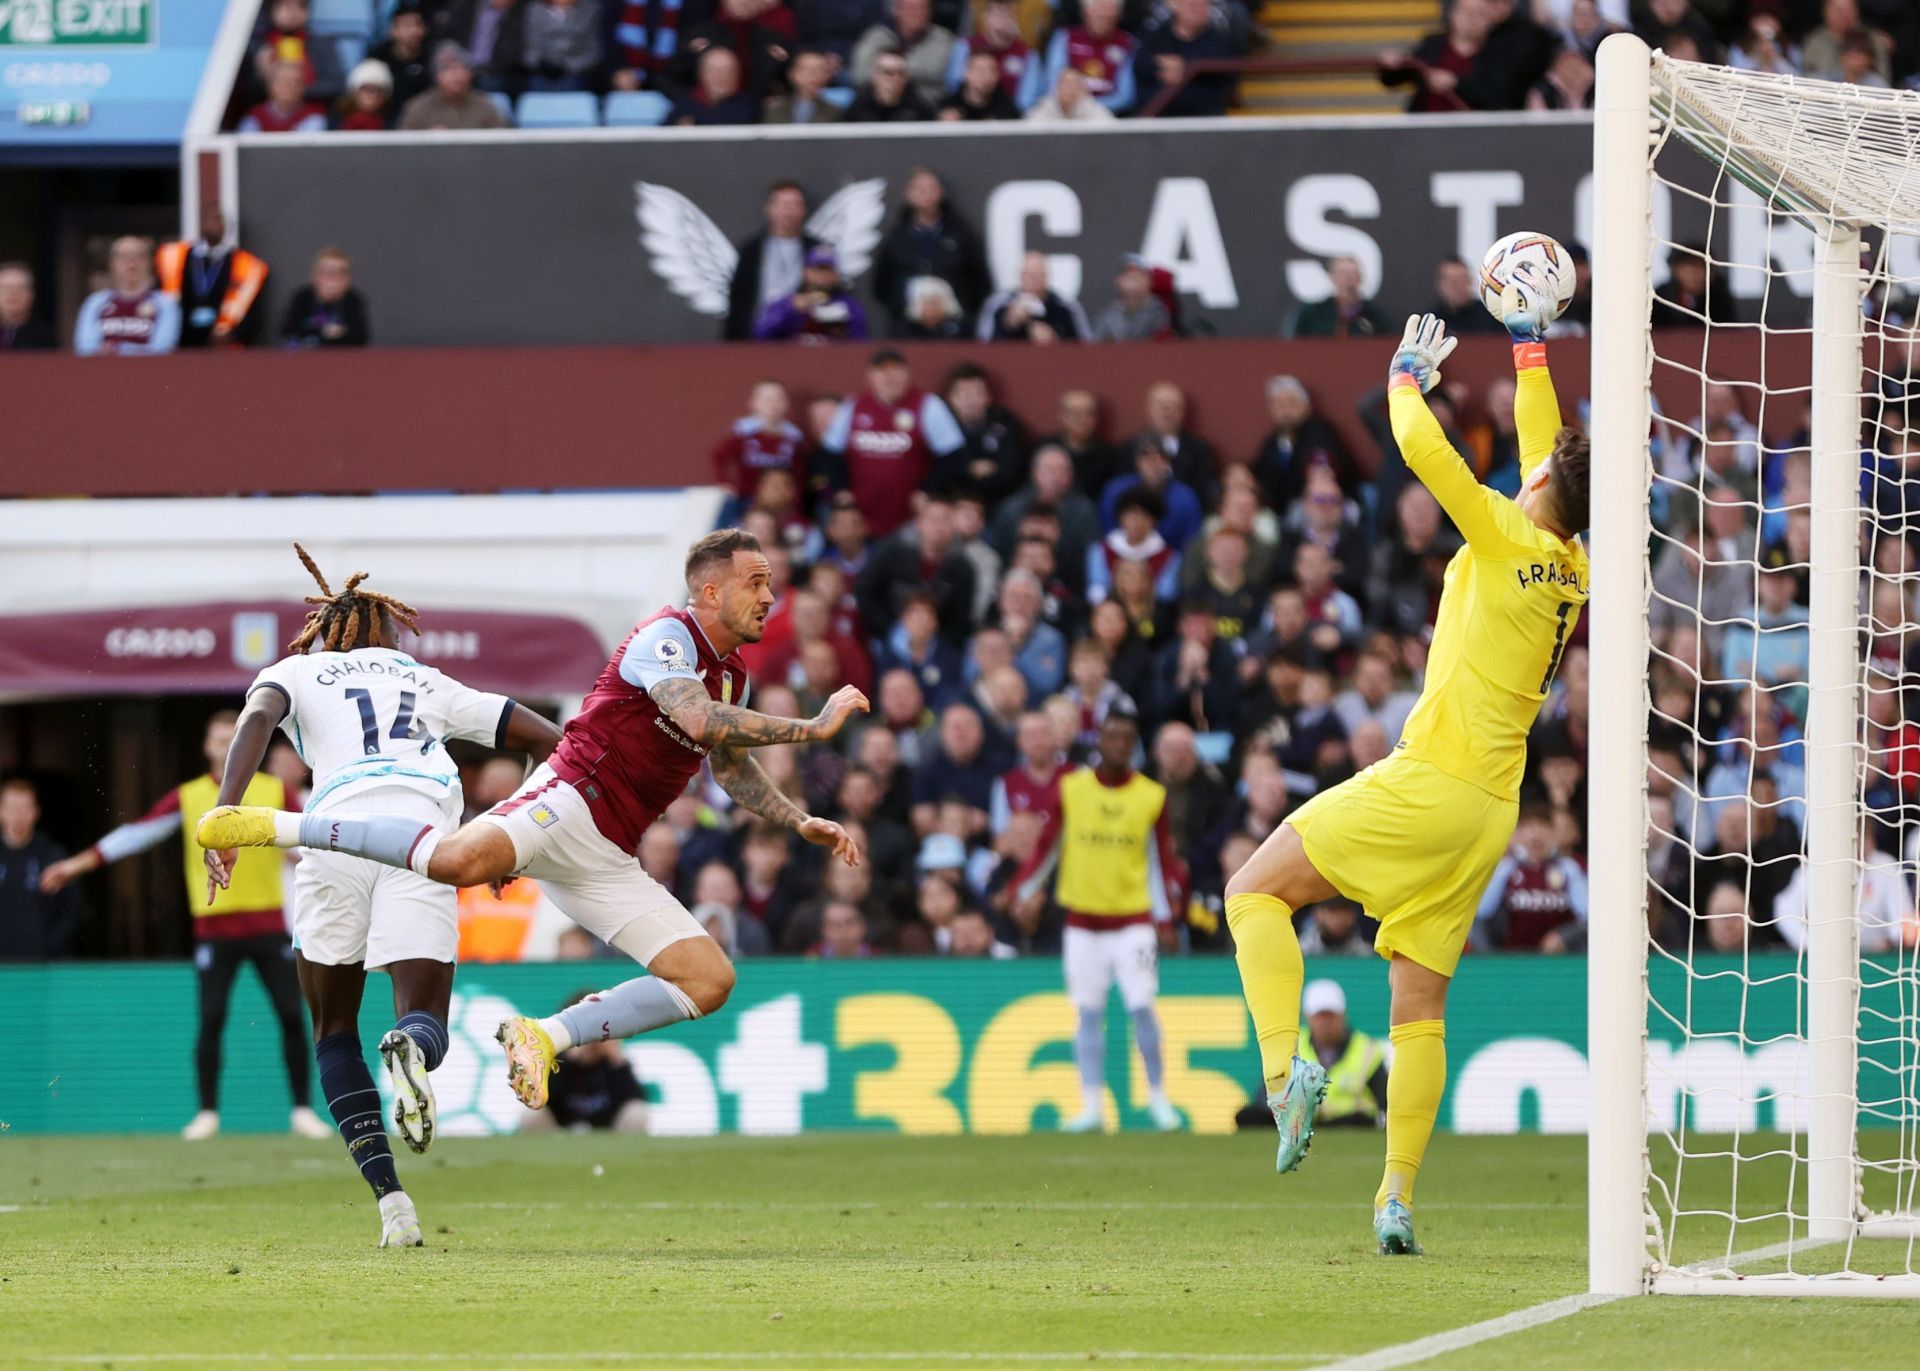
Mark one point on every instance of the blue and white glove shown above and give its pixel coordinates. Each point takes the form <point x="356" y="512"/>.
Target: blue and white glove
<point x="1423" y="347"/>
<point x="1526" y="305"/>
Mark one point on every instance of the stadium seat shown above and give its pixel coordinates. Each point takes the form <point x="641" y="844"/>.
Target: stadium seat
<point x="503" y="104"/>
<point x="636" y="109"/>
<point x="838" y="96"/>
<point x="570" y="109"/>
<point x="352" y="48"/>
<point x="351" y="18"/>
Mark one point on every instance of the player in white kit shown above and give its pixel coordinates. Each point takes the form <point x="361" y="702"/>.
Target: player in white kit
<point x="372" y="723"/>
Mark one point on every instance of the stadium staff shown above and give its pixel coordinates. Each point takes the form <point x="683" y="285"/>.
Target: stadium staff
<point x="246" y="927"/>
<point x="216" y="283"/>
<point x="1356" y="1065"/>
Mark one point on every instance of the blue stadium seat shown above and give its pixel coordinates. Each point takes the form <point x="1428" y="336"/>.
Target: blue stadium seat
<point x="352" y="49"/>
<point x="503" y="104"/>
<point x="636" y="109"/>
<point x="840" y="96"/>
<point x="559" y="109"/>
<point x="353" y="18"/>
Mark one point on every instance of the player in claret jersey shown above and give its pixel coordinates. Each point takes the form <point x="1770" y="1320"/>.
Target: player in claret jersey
<point x="673" y="696"/>
<point x="1414" y="838"/>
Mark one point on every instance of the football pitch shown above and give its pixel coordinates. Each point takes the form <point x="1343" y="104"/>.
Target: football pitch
<point x="847" y="1250"/>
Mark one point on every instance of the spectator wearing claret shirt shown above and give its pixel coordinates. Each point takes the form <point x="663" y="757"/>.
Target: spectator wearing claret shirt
<point x="1333" y="615"/>
<point x="1451" y="70"/>
<point x="284" y="37"/>
<point x="888" y="436"/>
<point x="762" y="34"/>
<point x="1537" y="897"/>
<point x="368" y="106"/>
<point x="1168" y="51"/>
<point x="1032" y="786"/>
<point x="910" y="32"/>
<point x="1100" y="51"/>
<point x="929" y="238"/>
<point x="286" y="108"/>
<point x="1135" y="538"/>
<point x="19" y="330"/>
<point x="822" y="309"/>
<point x="980" y="95"/>
<point x="1032" y="312"/>
<point x="1181" y="512"/>
<point x="130" y="318"/>
<point x="765" y="439"/>
<point x="1345" y="313"/>
<point x="998" y="36"/>
<point x="1069" y="103"/>
<point x="327" y="312"/>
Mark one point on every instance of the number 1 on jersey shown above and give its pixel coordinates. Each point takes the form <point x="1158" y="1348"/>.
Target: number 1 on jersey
<point x="370" y="725"/>
<point x="1559" y="646"/>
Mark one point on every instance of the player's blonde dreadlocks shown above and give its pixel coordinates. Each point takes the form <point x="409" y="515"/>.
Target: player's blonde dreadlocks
<point x="336" y="619"/>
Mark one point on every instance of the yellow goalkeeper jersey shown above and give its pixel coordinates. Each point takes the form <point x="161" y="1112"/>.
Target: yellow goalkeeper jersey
<point x="1511" y="599"/>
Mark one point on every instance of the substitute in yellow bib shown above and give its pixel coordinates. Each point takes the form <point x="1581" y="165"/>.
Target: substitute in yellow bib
<point x="1414" y="838"/>
<point x="246" y="926"/>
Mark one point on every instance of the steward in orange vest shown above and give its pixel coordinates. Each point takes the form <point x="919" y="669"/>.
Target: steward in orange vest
<point x="216" y="284"/>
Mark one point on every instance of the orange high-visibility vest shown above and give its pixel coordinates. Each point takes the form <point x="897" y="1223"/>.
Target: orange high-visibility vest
<point x="246" y="274"/>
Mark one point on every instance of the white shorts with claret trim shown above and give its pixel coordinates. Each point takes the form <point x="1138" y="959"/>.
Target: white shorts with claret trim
<point x="348" y="909"/>
<point x="603" y="889"/>
<point x="1097" y="958"/>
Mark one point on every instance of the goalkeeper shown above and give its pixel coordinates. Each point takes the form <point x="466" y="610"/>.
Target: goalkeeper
<point x="1415" y="837"/>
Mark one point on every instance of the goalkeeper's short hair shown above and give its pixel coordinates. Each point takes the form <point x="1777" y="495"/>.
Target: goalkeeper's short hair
<point x="1571" y="480"/>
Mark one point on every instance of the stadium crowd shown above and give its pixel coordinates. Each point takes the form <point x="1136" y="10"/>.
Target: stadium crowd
<point x="462" y="64"/>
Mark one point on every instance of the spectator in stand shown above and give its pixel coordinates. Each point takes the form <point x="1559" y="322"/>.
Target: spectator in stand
<point x="992" y="454"/>
<point x="130" y="318"/>
<point x="933" y="311"/>
<point x="1198" y="679"/>
<point x="843" y="932"/>
<point x="1039" y="650"/>
<point x="1180" y="510"/>
<point x="761" y="34"/>
<point x="980" y="95"/>
<point x="642" y="43"/>
<point x="836" y="25"/>
<point x="1666" y="22"/>
<point x="561" y="44"/>
<point x="1884" y="902"/>
<point x="1101" y="51"/>
<point x="1451" y="70"/>
<point x="1403" y="588"/>
<point x="1335" y="928"/>
<point x="408" y="56"/>
<point x="1332" y="614"/>
<point x="1518" y="50"/>
<point x="1197" y="792"/>
<point x="285" y="36"/>
<point x="915" y="645"/>
<point x="1568" y="85"/>
<point x="215" y="283"/>
<point x="1095" y="461"/>
<point x="717" y="97"/>
<point x="1223" y="586"/>
<point x="453" y="103"/>
<point x="1582" y="25"/>
<point x="35" y="925"/>
<point x="959" y="770"/>
<point x="889" y="436"/>
<point x="1070" y="101"/>
<point x="808" y="75"/>
<point x="1049" y="491"/>
<point x="494" y="32"/>
<point x="1032" y="786"/>
<point x="1092" y="693"/>
<point x="1191" y="456"/>
<point x="1691" y="292"/>
<point x="1240" y="512"/>
<point x="997" y="34"/>
<point x="929" y="238"/>
<point x="1763" y="48"/>
<point x="1858" y="54"/>
<point x="367" y="106"/>
<point x="1345" y="313"/>
<point x="771" y="262"/>
<point x="1168" y="51"/>
<point x="1136" y="312"/>
<point x="910" y="33"/>
<point x="1456" y="299"/>
<point x="925" y="555"/>
<point x="1823" y="49"/>
<point x="1374" y="698"/>
<point x="762" y="441"/>
<point x="19" y="330"/>
<point x="1032" y="312"/>
<point x="1298" y="441"/>
<point x="327" y="312"/>
<point x="822" y="309"/>
<point x="286" y="108"/>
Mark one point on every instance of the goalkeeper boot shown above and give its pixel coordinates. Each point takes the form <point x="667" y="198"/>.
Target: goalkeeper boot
<point x="399" y="1224"/>
<point x="229" y="826"/>
<point x="413" y="1112"/>
<point x="530" y="1059"/>
<point x="1393" y="1227"/>
<point x="1293" y="1111"/>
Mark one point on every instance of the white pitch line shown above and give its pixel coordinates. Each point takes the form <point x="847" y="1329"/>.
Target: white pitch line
<point x="1438" y="1344"/>
<point x="1064" y="1206"/>
<point x="683" y="1358"/>
<point x="9" y="1209"/>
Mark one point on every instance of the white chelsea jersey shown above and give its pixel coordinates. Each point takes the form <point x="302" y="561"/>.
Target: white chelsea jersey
<point x="375" y="717"/>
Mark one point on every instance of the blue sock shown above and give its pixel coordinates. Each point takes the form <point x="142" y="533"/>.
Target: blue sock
<point x="355" y="1105"/>
<point x="428" y="1032"/>
<point x="1090" y="1055"/>
<point x="388" y="839"/>
<point x="1146" y="1036"/>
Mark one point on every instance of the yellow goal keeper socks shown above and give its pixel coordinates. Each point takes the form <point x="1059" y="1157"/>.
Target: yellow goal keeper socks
<point x="1414" y="1084"/>
<point x="1270" y="972"/>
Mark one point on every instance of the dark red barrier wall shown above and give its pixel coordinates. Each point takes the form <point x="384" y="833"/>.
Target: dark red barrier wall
<point x="557" y="418"/>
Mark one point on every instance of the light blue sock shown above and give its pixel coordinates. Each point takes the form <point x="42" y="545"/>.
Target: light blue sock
<point x="637" y="1006"/>
<point x="428" y="1033"/>
<point x="1090" y="1054"/>
<point x="1146" y="1033"/>
<point x="387" y="839"/>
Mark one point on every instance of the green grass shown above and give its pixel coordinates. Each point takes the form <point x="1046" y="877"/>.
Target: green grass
<point x="834" y="1250"/>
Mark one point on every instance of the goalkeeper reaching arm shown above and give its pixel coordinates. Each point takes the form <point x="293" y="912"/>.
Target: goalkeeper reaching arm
<point x="1415" y="837"/>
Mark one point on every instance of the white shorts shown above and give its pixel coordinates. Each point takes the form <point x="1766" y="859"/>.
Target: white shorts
<point x="347" y="909"/>
<point x="603" y="889"/>
<point x="1096" y="958"/>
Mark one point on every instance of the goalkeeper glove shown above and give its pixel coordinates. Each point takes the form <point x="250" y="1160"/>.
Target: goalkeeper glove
<point x="1423" y="347"/>
<point x="1526" y="306"/>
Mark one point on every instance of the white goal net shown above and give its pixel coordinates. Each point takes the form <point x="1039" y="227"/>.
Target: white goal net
<point x="1755" y="1041"/>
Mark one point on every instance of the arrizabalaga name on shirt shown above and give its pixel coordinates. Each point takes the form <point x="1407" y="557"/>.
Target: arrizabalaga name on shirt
<point x="1549" y="574"/>
<point x="338" y="671"/>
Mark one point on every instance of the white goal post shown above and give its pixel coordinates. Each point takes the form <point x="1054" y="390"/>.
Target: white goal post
<point x="1754" y="1127"/>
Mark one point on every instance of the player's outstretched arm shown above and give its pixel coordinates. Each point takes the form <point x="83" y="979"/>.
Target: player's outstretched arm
<point x="265" y="708"/>
<point x="737" y="773"/>
<point x="1526" y="310"/>
<point x="707" y="720"/>
<point x="1423" y="444"/>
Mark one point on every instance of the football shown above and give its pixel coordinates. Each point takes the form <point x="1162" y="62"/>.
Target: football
<point x="1542" y="255"/>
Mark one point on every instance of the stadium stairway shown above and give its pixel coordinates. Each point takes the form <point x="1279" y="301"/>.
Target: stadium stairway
<point x="1334" y="31"/>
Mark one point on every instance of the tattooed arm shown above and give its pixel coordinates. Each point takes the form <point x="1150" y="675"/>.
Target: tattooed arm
<point x="706" y="720"/>
<point x="748" y="783"/>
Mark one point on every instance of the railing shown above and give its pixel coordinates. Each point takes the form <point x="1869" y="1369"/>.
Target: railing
<point x="1287" y="66"/>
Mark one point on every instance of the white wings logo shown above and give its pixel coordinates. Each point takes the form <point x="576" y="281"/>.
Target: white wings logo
<point x="690" y="253"/>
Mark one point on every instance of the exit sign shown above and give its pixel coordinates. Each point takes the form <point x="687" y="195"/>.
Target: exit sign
<point x="77" y="23"/>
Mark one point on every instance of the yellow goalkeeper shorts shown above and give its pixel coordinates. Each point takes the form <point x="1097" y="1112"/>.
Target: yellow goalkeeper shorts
<point x="1415" y="847"/>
